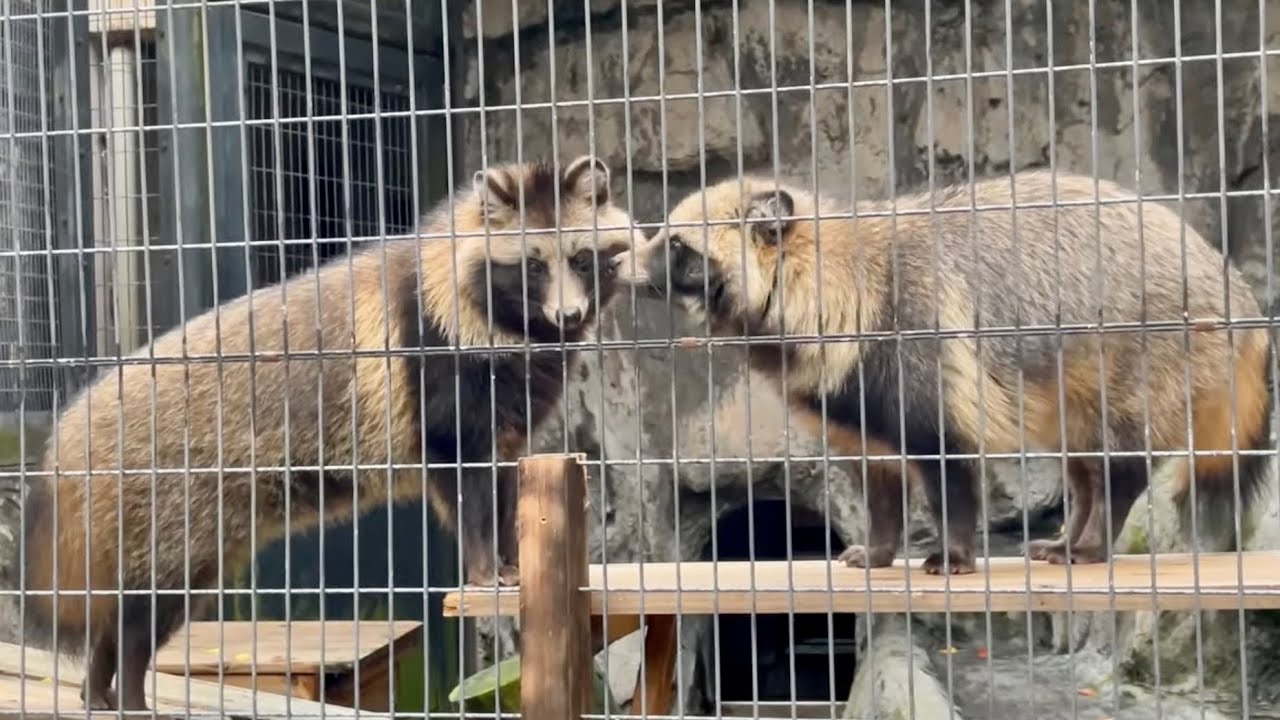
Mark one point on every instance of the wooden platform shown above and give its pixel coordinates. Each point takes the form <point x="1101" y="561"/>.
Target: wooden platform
<point x="816" y="586"/>
<point x="312" y="660"/>
<point x="30" y="689"/>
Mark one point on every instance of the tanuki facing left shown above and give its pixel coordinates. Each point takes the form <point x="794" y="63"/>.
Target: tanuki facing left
<point x="755" y="261"/>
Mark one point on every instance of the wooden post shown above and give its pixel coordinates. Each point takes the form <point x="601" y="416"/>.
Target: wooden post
<point x="555" y="617"/>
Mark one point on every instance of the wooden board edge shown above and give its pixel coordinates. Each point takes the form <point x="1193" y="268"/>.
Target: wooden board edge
<point x="404" y="632"/>
<point x="173" y="689"/>
<point x="781" y="602"/>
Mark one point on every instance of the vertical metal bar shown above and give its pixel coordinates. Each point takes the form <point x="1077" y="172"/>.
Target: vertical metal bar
<point x="860" y="269"/>
<point x="984" y="522"/>
<point x="1143" y="367"/>
<point x="675" y="442"/>
<point x="442" y="641"/>
<point x="891" y="185"/>
<point x="1058" y="337"/>
<point x="447" y="29"/>
<point x="597" y="265"/>
<point x="700" y="79"/>
<point x="381" y="214"/>
<point x="1237" y="505"/>
<point x="943" y="478"/>
<point x="489" y="322"/>
<point x="1186" y="344"/>
<point x="782" y="331"/>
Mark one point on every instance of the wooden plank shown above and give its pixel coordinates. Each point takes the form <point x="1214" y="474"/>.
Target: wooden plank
<point x="803" y="586"/>
<point x="299" y="686"/>
<point x="42" y="696"/>
<point x="299" y="646"/>
<point x="374" y="680"/>
<point x="620" y="626"/>
<point x="32" y="666"/>
<point x="555" y="617"/>
<point x="375" y="689"/>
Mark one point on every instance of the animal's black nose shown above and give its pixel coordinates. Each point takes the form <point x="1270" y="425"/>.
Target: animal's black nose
<point x="569" y="317"/>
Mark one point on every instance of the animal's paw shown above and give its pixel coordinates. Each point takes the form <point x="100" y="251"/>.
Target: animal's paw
<point x="509" y="576"/>
<point x="1079" y="555"/>
<point x="100" y="700"/>
<point x="859" y="556"/>
<point x="960" y="564"/>
<point x="1042" y="549"/>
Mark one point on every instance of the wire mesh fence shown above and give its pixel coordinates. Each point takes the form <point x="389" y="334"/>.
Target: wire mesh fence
<point x="24" y="299"/>
<point x="919" y="358"/>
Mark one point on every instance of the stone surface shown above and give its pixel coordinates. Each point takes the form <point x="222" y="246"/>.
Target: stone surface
<point x="832" y="123"/>
<point x="890" y="687"/>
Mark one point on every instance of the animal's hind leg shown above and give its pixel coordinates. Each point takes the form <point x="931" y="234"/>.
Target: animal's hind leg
<point x="884" y="519"/>
<point x="961" y="516"/>
<point x="475" y="525"/>
<point x="95" y="691"/>
<point x="1081" y="476"/>
<point x="135" y="644"/>
<point x="1128" y="480"/>
<point x="508" y="533"/>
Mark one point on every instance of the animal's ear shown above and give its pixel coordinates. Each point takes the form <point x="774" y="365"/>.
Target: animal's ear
<point x="768" y="214"/>
<point x="588" y="177"/>
<point x="491" y="187"/>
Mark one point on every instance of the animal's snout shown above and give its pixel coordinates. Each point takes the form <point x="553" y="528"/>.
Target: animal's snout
<point x="569" y="318"/>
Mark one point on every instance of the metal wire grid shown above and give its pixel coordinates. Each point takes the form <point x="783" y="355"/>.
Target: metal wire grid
<point x="303" y="222"/>
<point x="327" y="221"/>
<point x="24" y="309"/>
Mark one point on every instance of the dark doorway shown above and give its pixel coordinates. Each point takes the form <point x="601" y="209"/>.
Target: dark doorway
<point x="821" y="648"/>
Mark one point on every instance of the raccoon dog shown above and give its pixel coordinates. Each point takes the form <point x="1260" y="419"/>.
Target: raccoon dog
<point x="158" y="507"/>
<point x="1059" y="259"/>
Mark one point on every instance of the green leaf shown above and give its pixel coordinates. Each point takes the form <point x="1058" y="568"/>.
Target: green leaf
<point x="479" y="690"/>
<point x="503" y="680"/>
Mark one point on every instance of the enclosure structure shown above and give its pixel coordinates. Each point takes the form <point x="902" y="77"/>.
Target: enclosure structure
<point x="162" y="159"/>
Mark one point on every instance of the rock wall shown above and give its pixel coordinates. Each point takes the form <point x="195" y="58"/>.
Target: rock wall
<point x="969" y="95"/>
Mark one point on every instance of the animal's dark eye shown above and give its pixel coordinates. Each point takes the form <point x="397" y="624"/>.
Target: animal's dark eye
<point x="535" y="266"/>
<point x="584" y="262"/>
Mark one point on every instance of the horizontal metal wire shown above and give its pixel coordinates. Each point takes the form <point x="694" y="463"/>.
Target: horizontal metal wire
<point x="648" y="460"/>
<point x="660" y="225"/>
<point x="403" y="590"/>
<point x="1190" y="325"/>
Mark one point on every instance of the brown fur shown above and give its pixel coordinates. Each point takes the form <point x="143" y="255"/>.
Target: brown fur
<point x="882" y="484"/>
<point x="271" y="413"/>
<point x="1000" y="393"/>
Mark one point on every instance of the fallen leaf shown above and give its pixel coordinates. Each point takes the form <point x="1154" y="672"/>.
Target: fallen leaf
<point x="214" y="651"/>
<point x="244" y="657"/>
<point x="982" y="653"/>
<point x="949" y="650"/>
<point x="1088" y="692"/>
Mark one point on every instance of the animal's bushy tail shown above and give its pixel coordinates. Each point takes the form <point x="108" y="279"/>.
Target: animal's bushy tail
<point x="42" y="615"/>
<point x="1217" y="503"/>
